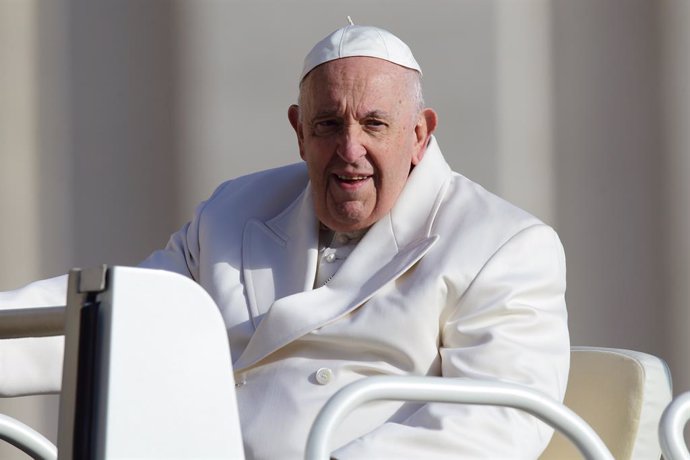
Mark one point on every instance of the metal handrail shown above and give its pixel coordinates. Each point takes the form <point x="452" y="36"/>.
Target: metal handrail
<point x="439" y="389"/>
<point x="671" y="427"/>
<point x="20" y="323"/>
<point x="32" y="322"/>
<point x="27" y="439"/>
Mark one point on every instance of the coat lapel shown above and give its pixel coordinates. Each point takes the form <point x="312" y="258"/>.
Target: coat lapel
<point x="279" y="255"/>
<point x="280" y="259"/>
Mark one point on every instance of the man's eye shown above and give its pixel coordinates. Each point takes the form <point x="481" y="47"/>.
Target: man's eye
<point x="325" y="127"/>
<point x="375" y="124"/>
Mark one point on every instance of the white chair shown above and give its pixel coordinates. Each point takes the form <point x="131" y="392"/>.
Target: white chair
<point x="621" y="394"/>
<point x="673" y="422"/>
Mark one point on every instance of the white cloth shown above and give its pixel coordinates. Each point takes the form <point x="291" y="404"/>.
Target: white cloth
<point x="454" y="281"/>
<point x="334" y="248"/>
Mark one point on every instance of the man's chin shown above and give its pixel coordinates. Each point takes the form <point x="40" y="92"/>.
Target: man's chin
<point x="348" y="217"/>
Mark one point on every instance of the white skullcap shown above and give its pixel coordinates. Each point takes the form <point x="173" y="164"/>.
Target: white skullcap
<point x="356" y="40"/>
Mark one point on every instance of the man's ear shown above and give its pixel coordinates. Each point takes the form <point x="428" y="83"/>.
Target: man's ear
<point x="425" y="127"/>
<point x="293" y="116"/>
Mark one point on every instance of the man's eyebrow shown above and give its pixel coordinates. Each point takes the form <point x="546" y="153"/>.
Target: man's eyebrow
<point x="336" y="113"/>
<point x="326" y="113"/>
<point x="376" y="114"/>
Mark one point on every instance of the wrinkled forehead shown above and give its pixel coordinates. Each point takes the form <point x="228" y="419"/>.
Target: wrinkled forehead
<point x="358" y="83"/>
<point x="358" y="67"/>
<point x="356" y="74"/>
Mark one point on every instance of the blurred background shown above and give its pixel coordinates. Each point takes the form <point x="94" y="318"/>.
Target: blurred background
<point x="118" y="116"/>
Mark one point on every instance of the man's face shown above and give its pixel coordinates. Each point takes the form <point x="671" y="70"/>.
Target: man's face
<point x="360" y="133"/>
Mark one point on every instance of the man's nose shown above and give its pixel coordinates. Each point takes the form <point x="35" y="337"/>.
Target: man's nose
<point x="350" y="145"/>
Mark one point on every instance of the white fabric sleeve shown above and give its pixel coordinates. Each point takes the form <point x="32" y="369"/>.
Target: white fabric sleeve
<point x="32" y="365"/>
<point x="181" y="253"/>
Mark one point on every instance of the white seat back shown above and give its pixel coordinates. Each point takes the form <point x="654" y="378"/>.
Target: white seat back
<point x="153" y="374"/>
<point x="621" y="394"/>
<point x="147" y="370"/>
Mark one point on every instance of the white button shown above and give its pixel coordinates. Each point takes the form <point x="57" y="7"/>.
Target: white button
<point x="343" y="238"/>
<point x="330" y="257"/>
<point x="324" y="375"/>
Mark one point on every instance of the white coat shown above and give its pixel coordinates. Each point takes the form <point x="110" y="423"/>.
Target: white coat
<point x="454" y="281"/>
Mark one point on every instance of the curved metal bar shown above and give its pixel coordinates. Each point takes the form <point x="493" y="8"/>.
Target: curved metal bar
<point x="27" y="439"/>
<point x="439" y="389"/>
<point x="671" y="426"/>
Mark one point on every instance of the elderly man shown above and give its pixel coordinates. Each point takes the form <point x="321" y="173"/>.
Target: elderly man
<point x="369" y="258"/>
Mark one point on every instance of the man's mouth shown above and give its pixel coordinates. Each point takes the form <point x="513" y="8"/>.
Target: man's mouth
<point x="351" y="179"/>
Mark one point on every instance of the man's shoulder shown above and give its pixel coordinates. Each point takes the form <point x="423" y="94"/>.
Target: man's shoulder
<point x="465" y="200"/>
<point x="477" y="223"/>
<point x="479" y="219"/>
